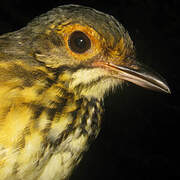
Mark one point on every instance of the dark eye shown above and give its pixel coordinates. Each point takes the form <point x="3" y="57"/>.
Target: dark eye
<point x="79" y="42"/>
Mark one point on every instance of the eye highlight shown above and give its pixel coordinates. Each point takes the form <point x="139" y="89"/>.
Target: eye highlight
<point x="82" y="42"/>
<point x="79" y="42"/>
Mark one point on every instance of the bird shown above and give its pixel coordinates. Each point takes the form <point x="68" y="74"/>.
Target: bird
<point x="54" y="74"/>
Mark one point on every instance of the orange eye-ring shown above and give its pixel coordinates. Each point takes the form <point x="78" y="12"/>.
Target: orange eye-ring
<point x="82" y="42"/>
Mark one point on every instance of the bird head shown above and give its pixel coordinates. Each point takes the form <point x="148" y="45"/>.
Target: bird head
<point x="96" y="49"/>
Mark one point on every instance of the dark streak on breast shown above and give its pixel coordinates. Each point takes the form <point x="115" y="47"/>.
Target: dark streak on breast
<point x="38" y="110"/>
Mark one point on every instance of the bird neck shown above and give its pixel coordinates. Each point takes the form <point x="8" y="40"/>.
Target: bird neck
<point x="88" y="82"/>
<point x="68" y="107"/>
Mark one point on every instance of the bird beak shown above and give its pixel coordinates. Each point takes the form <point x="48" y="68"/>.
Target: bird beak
<point x="138" y="74"/>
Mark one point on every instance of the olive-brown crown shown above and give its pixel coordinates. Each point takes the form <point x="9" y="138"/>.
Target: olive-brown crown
<point x="50" y="38"/>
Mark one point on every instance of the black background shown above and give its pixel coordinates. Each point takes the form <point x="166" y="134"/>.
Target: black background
<point x="140" y="132"/>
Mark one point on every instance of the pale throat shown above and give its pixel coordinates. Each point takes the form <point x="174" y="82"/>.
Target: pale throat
<point x="93" y="82"/>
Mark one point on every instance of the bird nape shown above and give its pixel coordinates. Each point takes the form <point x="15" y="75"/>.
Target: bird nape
<point x="53" y="74"/>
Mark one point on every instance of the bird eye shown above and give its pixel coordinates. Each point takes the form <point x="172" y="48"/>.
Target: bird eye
<point x="79" y="42"/>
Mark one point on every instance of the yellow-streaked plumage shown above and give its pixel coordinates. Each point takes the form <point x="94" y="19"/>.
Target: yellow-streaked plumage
<point x="54" y="74"/>
<point x="22" y="136"/>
